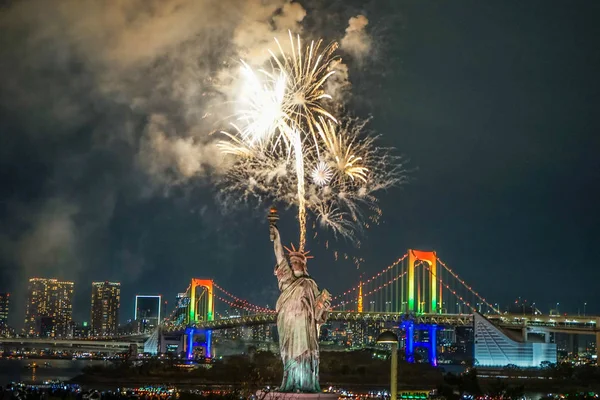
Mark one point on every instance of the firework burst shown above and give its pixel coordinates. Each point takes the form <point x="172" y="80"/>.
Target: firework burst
<point x="288" y="148"/>
<point x="321" y="174"/>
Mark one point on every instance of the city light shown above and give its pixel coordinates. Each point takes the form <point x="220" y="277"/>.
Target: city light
<point x="385" y="299"/>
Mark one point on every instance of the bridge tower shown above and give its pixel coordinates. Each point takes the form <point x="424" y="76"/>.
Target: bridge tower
<point x="431" y="259"/>
<point x="201" y="308"/>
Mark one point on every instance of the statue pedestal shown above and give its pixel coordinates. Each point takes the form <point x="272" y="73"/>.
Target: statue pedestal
<point x="262" y="395"/>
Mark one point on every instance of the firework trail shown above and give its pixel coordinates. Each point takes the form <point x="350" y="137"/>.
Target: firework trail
<point x="289" y="148"/>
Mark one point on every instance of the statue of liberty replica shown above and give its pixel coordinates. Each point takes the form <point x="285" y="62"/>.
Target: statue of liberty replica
<point x="301" y="309"/>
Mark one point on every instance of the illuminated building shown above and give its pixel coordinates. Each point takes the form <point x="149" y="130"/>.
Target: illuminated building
<point x="81" y="331"/>
<point x="4" y="304"/>
<point x="106" y="299"/>
<point x="261" y="333"/>
<point x="147" y="312"/>
<point x="493" y="348"/>
<point x="46" y="326"/>
<point x="182" y="303"/>
<point x="360" y="297"/>
<point x="183" y="300"/>
<point x="49" y="306"/>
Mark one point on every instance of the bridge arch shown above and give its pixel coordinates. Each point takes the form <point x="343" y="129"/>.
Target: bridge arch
<point x="431" y="259"/>
<point x="202" y="305"/>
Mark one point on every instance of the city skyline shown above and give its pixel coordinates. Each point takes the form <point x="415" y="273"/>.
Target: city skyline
<point x="106" y="176"/>
<point x="52" y="298"/>
<point x="106" y="290"/>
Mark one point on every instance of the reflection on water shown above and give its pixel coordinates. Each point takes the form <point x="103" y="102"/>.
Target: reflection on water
<point x="63" y="370"/>
<point x="16" y="370"/>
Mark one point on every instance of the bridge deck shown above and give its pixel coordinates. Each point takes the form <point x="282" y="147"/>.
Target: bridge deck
<point x="68" y="342"/>
<point x="270" y="318"/>
<point x="541" y="322"/>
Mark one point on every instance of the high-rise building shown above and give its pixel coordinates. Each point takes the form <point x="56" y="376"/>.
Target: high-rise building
<point x="4" y="304"/>
<point x="49" y="303"/>
<point x="182" y="303"/>
<point x="106" y="299"/>
<point x="147" y="311"/>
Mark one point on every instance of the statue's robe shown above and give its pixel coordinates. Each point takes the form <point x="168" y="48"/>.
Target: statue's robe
<point x="297" y="324"/>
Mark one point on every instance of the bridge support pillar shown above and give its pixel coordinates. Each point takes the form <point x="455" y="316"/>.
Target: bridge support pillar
<point x="524" y="333"/>
<point x="208" y="344"/>
<point x="433" y="345"/>
<point x="410" y="345"/>
<point x="190" y="342"/>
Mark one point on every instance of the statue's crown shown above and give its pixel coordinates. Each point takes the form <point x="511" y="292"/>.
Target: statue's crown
<point x="299" y="255"/>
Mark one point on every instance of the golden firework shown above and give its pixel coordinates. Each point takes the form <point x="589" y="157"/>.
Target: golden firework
<point x="288" y="147"/>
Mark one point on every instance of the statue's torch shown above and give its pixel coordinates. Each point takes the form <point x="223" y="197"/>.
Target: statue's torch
<point x="273" y="217"/>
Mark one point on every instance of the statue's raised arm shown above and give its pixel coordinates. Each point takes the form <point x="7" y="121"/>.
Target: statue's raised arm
<point x="273" y="217"/>
<point x="277" y="246"/>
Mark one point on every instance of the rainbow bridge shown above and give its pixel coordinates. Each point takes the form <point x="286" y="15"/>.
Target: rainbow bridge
<point x="416" y="293"/>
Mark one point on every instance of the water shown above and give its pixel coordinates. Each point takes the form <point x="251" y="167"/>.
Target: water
<point x="15" y="370"/>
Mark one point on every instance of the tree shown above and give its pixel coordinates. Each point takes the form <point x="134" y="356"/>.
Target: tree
<point x="470" y="383"/>
<point x="563" y="371"/>
<point x="497" y="388"/>
<point x="515" y="392"/>
<point x="448" y="392"/>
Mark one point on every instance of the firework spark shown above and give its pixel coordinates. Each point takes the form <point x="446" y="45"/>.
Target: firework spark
<point x="321" y="174"/>
<point x="288" y="148"/>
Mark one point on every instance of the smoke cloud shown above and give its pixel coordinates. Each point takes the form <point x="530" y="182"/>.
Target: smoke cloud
<point x="49" y="244"/>
<point x="356" y="41"/>
<point x="338" y="85"/>
<point x="103" y="99"/>
<point x="170" y="158"/>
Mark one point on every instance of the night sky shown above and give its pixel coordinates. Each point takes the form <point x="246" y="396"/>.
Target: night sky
<point x="495" y="104"/>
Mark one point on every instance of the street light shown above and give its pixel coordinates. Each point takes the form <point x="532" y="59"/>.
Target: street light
<point x="390" y="337"/>
<point x="584" y="306"/>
